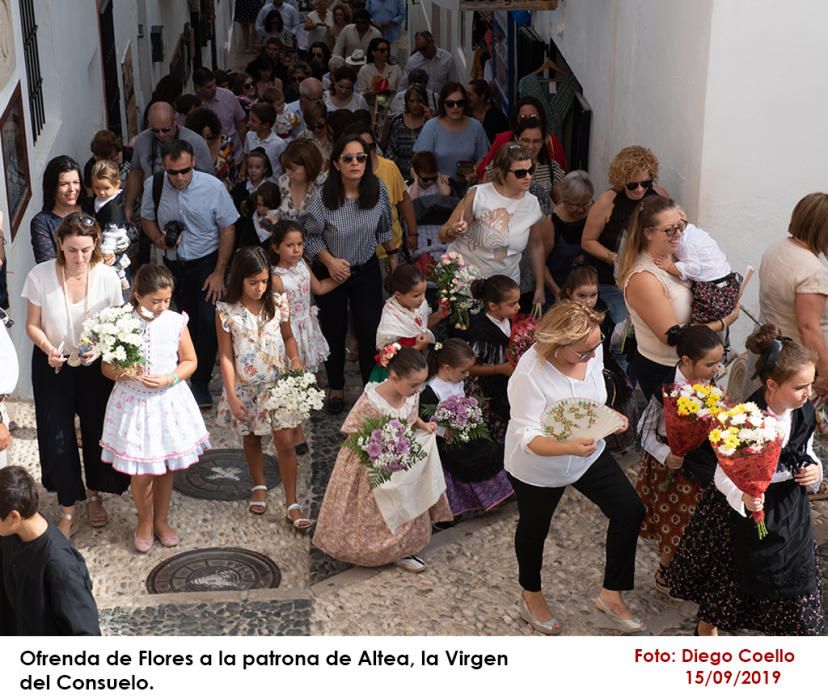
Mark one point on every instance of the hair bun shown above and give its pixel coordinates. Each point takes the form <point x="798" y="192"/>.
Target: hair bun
<point x="761" y="339"/>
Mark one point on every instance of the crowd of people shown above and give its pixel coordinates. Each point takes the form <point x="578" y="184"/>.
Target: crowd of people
<point x="285" y="212"/>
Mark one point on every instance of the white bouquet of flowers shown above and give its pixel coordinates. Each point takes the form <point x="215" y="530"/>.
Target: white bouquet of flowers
<point x="291" y="400"/>
<point x="117" y="335"/>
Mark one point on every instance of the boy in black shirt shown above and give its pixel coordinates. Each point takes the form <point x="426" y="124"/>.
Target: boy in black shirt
<point x="45" y="588"/>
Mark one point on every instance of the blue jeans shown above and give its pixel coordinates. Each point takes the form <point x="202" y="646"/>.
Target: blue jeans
<point x="614" y="299"/>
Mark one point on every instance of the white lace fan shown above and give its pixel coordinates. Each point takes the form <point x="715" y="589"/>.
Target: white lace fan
<point x="580" y="419"/>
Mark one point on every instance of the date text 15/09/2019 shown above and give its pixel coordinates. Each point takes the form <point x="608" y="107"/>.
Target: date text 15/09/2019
<point x="714" y="658"/>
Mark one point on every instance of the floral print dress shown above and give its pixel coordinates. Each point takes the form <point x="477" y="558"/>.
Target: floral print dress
<point x="259" y="354"/>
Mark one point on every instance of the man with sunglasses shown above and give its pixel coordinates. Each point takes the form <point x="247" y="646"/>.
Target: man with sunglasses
<point x="203" y="210"/>
<point x="437" y="62"/>
<point x="146" y="157"/>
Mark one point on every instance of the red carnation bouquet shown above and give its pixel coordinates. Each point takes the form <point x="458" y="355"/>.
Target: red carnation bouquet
<point x="748" y="441"/>
<point x="425" y="263"/>
<point x="689" y="412"/>
<point x="521" y="338"/>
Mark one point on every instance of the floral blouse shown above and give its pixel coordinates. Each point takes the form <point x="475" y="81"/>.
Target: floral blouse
<point x="258" y="348"/>
<point x="289" y="209"/>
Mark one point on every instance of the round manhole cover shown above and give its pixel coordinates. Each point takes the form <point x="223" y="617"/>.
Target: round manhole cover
<point x="222" y="475"/>
<point x="215" y="569"/>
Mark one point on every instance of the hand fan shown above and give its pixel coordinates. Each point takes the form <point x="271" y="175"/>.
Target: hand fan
<point x="580" y="419"/>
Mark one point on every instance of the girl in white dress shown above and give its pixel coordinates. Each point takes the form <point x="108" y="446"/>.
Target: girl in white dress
<point x="256" y="346"/>
<point x="153" y="426"/>
<point x="293" y="277"/>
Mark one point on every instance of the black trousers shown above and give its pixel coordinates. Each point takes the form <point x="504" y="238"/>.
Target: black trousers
<point x="650" y="375"/>
<point x="190" y="276"/>
<point x="58" y="398"/>
<point x="606" y="486"/>
<point x="363" y="291"/>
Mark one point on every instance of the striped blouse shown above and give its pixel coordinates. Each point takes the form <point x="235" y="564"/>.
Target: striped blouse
<point x="347" y="232"/>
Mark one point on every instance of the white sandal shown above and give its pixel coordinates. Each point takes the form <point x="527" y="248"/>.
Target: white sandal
<point x="301" y="523"/>
<point x="69" y="517"/>
<point x="258" y="504"/>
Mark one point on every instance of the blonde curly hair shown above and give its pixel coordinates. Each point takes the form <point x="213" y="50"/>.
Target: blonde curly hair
<point x="564" y="324"/>
<point x="629" y="161"/>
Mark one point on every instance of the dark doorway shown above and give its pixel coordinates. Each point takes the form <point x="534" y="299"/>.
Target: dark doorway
<point x="112" y="92"/>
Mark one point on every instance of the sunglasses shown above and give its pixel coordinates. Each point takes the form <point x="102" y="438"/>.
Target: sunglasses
<point x="427" y="178"/>
<point x="183" y="171"/>
<point x="349" y="157"/>
<point x="165" y="130"/>
<point x="455" y="103"/>
<point x="82" y="219"/>
<point x="632" y="186"/>
<point x="672" y="231"/>
<point x="521" y="173"/>
<point x="382" y="50"/>
<point x="586" y="354"/>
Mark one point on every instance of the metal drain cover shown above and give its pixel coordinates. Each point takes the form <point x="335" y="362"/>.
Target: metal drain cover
<point x="214" y="569"/>
<point x="222" y="475"/>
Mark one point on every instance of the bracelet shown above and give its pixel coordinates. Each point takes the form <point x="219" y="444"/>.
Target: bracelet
<point x="721" y="320"/>
<point x="174" y="379"/>
<point x="393" y="251"/>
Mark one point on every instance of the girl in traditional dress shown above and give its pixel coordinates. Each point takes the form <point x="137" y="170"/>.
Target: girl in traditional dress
<point x="351" y="526"/>
<point x="256" y="345"/>
<point x="153" y="426"/>
<point x="670" y="487"/>
<point x="489" y="333"/>
<point x="406" y="317"/>
<point x="740" y="581"/>
<point x="292" y="276"/>
<point x="475" y="479"/>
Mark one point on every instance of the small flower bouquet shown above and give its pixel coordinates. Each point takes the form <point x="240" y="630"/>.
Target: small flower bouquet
<point x="117" y="335"/>
<point x="453" y="279"/>
<point x="291" y="400"/>
<point x="747" y="442"/>
<point x="387" y="353"/>
<point x="462" y="417"/>
<point x="689" y="411"/>
<point x="385" y="446"/>
<point x="521" y="338"/>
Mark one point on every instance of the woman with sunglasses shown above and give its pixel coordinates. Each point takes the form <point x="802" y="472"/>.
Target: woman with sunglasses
<point x="63" y="293"/>
<point x="566" y="361"/>
<point x="319" y="54"/>
<point x="317" y="130"/>
<point x="659" y="302"/>
<point x="495" y="222"/>
<point x="456" y="139"/>
<point x="205" y="123"/>
<point x="61" y="197"/>
<point x="378" y="80"/>
<point x="632" y="176"/>
<point x="345" y="221"/>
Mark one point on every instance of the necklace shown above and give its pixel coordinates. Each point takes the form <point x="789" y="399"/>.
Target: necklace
<point x="74" y="356"/>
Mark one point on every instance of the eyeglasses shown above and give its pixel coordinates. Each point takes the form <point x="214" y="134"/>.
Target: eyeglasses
<point x="672" y="231"/>
<point x="454" y="103"/>
<point x="82" y="219"/>
<point x="348" y="157"/>
<point x="211" y="136"/>
<point x="576" y="206"/>
<point x="632" y="186"/>
<point x="521" y="173"/>
<point x="586" y="354"/>
<point x="164" y="130"/>
<point x="183" y="171"/>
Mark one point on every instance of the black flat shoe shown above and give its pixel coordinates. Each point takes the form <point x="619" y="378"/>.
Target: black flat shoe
<point x="334" y="405"/>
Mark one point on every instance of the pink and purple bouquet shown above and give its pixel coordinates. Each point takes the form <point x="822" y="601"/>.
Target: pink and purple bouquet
<point x="462" y="418"/>
<point x="385" y="446"/>
<point x="453" y="279"/>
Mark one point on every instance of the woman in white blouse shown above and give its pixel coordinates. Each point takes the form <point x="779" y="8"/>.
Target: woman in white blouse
<point x="567" y="361"/>
<point x="62" y="294"/>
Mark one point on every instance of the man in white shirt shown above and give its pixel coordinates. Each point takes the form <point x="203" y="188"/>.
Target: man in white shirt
<point x="437" y="62"/>
<point x="9" y="371"/>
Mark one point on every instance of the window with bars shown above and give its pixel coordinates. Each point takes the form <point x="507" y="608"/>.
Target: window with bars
<point x="32" y="59"/>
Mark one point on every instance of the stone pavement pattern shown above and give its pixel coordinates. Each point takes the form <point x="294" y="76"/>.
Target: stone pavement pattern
<point x="469" y="588"/>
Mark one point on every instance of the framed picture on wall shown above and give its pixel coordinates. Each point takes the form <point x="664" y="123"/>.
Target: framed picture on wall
<point x="15" y="160"/>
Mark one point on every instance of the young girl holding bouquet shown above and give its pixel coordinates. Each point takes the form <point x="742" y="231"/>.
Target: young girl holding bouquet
<point x="670" y="487"/>
<point x="153" y="426"/>
<point x="351" y="526"/>
<point x="489" y="333"/>
<point x="256" y="346"/>
<point x="406" y="317"/>
<point x="740" y="581"/>
<point x="475" y="478"/>
<point x="293" y="277"/>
